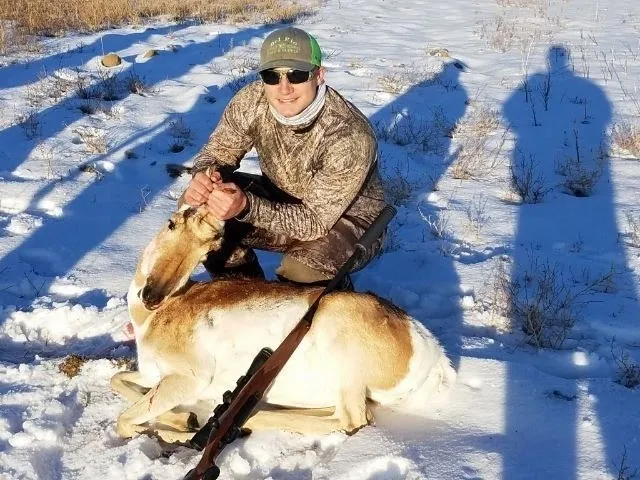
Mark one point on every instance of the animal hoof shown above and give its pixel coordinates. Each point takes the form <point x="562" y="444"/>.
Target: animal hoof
<point x="192" y="422"/>
<point x="371" y="420"/>
<point x="125" y="431"/>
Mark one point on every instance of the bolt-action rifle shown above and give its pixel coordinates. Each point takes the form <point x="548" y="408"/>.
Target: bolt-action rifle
<point x="225" y="425"/>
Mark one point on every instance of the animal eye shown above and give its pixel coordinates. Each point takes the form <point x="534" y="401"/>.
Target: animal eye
<point x="172" y="224"/>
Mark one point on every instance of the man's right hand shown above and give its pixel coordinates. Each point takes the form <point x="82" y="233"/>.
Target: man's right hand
<point x="199" y="188"/>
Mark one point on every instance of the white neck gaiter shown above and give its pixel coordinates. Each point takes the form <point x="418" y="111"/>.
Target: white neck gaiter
<point x="306" y="116"/>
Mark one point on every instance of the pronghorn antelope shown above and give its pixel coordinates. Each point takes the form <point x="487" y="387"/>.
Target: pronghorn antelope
<point x="195" y="339"/>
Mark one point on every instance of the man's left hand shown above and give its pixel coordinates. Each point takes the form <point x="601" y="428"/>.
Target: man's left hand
<point x="226" y="201"/>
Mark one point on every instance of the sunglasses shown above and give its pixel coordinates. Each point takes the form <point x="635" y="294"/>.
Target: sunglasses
<point x="272" y="77"/>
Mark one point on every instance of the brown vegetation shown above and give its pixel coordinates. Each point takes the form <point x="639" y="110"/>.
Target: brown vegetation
<point x="626" y="136"/>
<point x="71" y="365"/>
<point x="20" y="20"/>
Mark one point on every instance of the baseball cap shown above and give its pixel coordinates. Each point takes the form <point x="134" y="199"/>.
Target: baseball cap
<point x="290" y="47"/>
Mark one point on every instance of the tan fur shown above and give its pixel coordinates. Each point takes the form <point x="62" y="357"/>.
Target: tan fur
<point x="382" y="329"/>
<point x="358" y="345"/>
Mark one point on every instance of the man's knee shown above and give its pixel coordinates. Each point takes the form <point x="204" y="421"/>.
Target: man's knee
<point x="296" y="271"/>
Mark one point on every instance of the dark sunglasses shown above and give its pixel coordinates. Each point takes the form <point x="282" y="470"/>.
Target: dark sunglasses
<point x="272" y="77"/>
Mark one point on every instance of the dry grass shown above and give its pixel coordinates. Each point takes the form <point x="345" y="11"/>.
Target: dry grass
<point x="540" y="7"/>
<point x="626" y="136"/>
<point x="507" y="31"/>
<point x="401" y="77"/>
<point x="632" y="233"/>
<point x="71" y="365"/>
<point x="472" y="159"/>
<point x="20" y="20"/>
<point x="544" y="299"/>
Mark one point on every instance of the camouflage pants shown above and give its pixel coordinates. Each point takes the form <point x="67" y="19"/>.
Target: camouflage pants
<point x="320" y="258"/>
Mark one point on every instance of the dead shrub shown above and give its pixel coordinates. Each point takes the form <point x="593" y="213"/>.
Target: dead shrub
<point x="402" y="77"/>
<point x="137" y="84"/>
<point x="481" y="122"/>
<point x="470" y="159"/>
<point x="400" y="184"/>
<point x="71" y="365"/>
<point x="580" y="179"/>
<point x="625" y="471"/>
<point x="437" y="224"/>
<point x="626" y="137"/>
<point x="632" y="233"/>
<point x="94" y="139"/>
<point x="406" y="129"/>
<point x="477" y="214"/>
<point x="30" y="123"/>
<point x="507" y="31"/>
<point x="627" y="369"/>
<point x="181" y="134"/>
<point x="527" y="180"/>
<point x="27" y="18"/>
<point x="539" y="7"/>
<point x="546" y="305"/>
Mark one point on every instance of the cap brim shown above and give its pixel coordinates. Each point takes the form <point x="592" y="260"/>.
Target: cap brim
<point x="296" y="64"/>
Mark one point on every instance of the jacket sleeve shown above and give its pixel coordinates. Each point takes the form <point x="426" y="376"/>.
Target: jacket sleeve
<point x="344" y="164"/>
<point x="231" y="139"/>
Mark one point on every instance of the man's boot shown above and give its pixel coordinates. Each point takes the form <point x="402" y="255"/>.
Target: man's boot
<point x="243" y="263"/>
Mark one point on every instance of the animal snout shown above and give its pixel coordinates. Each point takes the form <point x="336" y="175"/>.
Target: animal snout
<point x="151" y="297"/>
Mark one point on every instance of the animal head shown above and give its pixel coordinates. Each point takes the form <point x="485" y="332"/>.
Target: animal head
<point x="177" y="249"/>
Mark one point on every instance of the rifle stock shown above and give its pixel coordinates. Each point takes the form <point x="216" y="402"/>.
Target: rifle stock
<point x="224" y="427"/>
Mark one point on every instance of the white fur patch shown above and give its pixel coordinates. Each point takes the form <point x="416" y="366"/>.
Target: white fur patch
<point x="429" y="377"/>
<point x="149" y="256"/>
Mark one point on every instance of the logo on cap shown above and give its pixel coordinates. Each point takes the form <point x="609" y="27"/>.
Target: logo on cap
<point x="280" y="46"/>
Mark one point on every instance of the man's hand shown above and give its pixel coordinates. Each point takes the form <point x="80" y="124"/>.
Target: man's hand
<point x="199" y="188"/>
<point x="226" y="200"/>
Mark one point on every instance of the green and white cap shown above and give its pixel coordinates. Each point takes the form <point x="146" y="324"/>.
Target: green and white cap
<point x="290" y="47"/>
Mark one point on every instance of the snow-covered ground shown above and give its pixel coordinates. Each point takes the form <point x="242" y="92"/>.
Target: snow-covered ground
<point x="532" y="89"/>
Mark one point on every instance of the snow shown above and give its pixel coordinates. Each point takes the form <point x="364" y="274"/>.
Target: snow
<point x="81" y="194"/>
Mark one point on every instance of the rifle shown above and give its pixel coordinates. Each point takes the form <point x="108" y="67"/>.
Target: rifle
<point x="225" y="425"/>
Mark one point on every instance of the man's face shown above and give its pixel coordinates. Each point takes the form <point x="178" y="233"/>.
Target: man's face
<point x="289" y="99"/>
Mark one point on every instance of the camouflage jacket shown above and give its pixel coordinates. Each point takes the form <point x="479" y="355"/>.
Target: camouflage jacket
<point x="330" y="165"/>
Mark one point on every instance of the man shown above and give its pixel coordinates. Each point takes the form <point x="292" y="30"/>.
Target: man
<point x="320" y="188"/>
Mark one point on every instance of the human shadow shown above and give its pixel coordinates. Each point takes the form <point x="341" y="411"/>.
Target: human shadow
<point x="560" y="122"/>
<point x="24" y="73"/>
<point x="102" y="207"/>
<point x="414" y="133"/>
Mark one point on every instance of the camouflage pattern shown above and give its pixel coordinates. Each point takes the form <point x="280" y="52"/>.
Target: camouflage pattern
<point x="325" y="254"/>
<point x="328" y="168"/>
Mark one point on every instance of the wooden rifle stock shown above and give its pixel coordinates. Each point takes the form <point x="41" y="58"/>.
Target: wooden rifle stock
<point x="224" y="426"/>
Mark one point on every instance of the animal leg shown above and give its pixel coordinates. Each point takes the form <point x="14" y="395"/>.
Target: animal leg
<point x="293" y="422"/>
<point x="351" y="414"/>
<point x="132" y="387"/>
<point x="314" y="412"/>
<point x="170" y="392"/>
<point x="171" y="436"/>
<point x="352" y="410"/>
